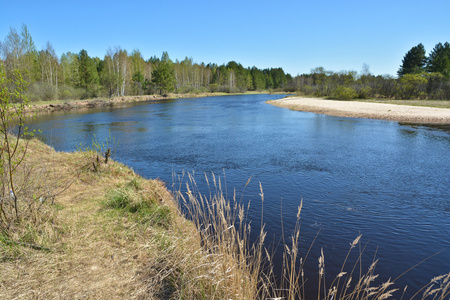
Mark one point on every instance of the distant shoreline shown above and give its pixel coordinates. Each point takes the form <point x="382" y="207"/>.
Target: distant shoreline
<point x="69" y="105"/>
<point x="353" y="109"/>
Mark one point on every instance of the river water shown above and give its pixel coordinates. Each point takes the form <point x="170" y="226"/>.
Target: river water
<point x="388" y="181"/>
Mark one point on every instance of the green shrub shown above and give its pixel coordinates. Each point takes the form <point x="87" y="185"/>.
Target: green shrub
<point x="41" y="91"/>
<point x="184" y="89"/>
<point x="365" y="92"/>
<point x="213" y="88"/>
<point x="344" y="93"/>
<point x="413" y="86"/>
<point x="71" y="93"/>
<point x="306" y="90"/>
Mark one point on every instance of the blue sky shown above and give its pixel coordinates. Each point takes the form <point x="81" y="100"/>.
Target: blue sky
<point x="295" y="35"/>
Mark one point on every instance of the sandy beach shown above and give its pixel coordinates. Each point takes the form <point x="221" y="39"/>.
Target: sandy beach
<point x="400" y="113"/>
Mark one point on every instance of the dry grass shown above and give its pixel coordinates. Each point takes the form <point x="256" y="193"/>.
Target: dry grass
<point x="246" y="268"/>
<point x="95" y="251"/>
<point x="232" y="265"/>
<point x="115" y="235"/>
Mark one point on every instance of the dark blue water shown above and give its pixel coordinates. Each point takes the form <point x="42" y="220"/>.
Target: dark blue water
<point x="387" y="181"/>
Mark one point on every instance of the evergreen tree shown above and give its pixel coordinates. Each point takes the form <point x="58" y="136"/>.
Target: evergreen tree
<point x="163" y="76"/>
<point x="259" y="80"/>
<point x="279" y="78"/>
<point x="439" y="60"/>
<point x="87" y="71"/>
<point x="414" y="61"/>
<point x="268" y="79"/>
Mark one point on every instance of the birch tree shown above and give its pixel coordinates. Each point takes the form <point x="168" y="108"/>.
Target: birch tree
<point x="19" y="53"/>
<point x="49" y="65"/>
<point x="137" y="65"/>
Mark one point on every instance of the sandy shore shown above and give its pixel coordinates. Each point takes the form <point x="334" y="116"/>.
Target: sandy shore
<point x="401" y="113"/>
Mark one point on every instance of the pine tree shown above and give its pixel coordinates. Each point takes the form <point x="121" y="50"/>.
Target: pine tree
<point x="439" y="60"/>
<point x="87" y="71"/>
<point x="414" y="61"/>
<point x="163" y="76"/>
<point x="259" y="81"/>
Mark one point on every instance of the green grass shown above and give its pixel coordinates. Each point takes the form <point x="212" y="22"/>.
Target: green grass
<point x="133" y="199"/>
<point x="426" y="103"/>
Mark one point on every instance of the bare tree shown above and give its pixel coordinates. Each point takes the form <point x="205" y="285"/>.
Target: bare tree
<point x="49" y="64"/>
<point x="116" y="72"/>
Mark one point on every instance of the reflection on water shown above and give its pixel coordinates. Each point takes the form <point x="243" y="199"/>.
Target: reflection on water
<point x="386" y="180"/>
<point x="442" y="127"/>
<point x="408" y="132"/>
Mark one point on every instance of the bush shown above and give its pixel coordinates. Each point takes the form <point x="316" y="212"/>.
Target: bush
<point x="41" y="91"/>
<point x="344" y="93"/>
<point x="213" y="88"/>
<point x="184" y="89"/>
<point x="70" y="93"/>
<point x="234" y="90"/>
<point x="365" y="92"/>
<point x="305" y="90"/>
<point x="413" y="86"/>
<point x="191" y="90"/>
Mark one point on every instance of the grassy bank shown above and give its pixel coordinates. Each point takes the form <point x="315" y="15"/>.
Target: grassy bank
<point x="425" y="103"/>
<point x="106" y="233"/>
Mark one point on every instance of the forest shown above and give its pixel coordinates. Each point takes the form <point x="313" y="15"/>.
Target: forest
<point x="123" y="73"/>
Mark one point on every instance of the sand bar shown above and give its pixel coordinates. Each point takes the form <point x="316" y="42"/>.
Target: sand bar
<point x="352" y="109"/>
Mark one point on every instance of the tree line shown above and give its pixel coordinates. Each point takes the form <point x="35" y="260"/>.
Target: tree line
<point x="121" y="73"/>
<point x="419" y="77"/>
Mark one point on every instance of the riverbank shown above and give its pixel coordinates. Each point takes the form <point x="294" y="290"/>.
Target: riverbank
<point x="353" y="109"/>
<point x="67" y="105"/>
<point x="104" y="232"/>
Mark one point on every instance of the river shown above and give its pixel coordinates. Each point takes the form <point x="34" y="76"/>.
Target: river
<point x="388" y="181"/>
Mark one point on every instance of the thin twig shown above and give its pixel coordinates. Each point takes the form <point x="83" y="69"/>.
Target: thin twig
<point x="33" y="246"/>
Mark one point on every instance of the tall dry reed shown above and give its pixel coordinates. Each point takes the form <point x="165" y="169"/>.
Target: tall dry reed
<point x="243" y="268"/>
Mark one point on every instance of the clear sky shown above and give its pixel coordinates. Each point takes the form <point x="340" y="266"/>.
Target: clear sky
<point x="296" y="35"/>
